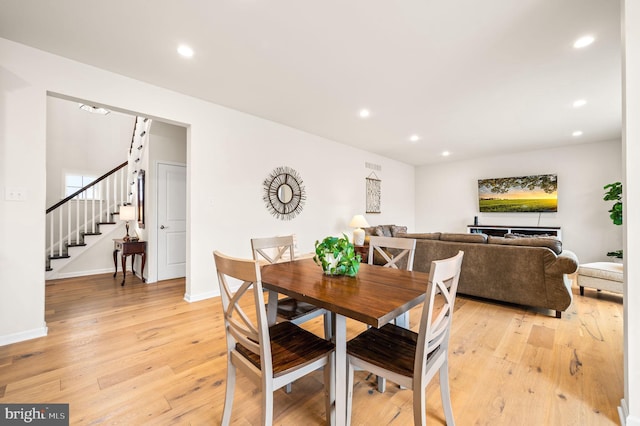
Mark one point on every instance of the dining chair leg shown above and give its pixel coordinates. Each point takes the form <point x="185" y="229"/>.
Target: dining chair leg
<point x="228" y="396"/>
<point x="419" y="403"/>
<point x="329" y="393"/>
<point x="267" y="404"/>
<point x="350" y="383"/>
<point x="446" y="394"/>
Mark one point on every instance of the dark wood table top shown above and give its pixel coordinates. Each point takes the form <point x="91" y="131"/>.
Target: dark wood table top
<point x="375" y="296"/>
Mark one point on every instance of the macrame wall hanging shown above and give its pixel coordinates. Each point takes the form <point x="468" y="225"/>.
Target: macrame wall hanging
<point x="373" y="193"/>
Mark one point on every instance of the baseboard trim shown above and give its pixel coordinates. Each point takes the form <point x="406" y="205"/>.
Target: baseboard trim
<point x="85" y="273"/>
<point x="625" y="418"/>
<point x="202" y="296"/>
<point x="23" y="335"/>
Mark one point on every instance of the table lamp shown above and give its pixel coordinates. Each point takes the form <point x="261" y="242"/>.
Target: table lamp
<point x="358" y="222"/>
<point x="127" y="213"/>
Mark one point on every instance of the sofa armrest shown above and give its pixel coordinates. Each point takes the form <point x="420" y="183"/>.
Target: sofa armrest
<point x="565" y="263"/>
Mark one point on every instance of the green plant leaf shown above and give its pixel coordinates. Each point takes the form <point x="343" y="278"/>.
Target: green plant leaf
<point x="614" y="193"/>
<point x="342" y="252"/>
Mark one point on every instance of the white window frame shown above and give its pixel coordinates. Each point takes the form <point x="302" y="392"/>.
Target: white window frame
<point x="85" y="179"/>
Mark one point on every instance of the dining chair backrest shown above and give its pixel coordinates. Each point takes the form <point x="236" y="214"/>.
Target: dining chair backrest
<point x="435" y="323"/>
<point x="273" y="249"/>
<point x="395" y="252"/>
<point x="282" y="249"/>
<point x="239" y="326"/>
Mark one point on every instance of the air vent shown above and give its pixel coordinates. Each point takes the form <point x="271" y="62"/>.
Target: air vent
<point x="373" y="166"/>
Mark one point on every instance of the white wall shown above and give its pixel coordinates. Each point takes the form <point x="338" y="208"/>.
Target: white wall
<point x="631" y="200"/>
<point x="447" y="195"/>
<point x="228" y="155"/>
<point x="82" y="142"/>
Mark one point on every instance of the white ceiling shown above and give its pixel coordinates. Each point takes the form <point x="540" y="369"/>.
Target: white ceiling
<point x="472" y="77"/>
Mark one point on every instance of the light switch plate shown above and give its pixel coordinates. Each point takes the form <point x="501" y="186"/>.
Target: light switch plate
<point x="15" y="194"/>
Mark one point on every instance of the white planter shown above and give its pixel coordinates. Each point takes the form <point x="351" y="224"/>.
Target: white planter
<point x="331" y="262"/>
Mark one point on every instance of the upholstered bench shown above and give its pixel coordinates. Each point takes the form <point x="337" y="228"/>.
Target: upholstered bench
<point x="602" y="276"/>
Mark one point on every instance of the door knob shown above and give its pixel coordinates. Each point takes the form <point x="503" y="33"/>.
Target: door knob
<point x="162" y="227"/>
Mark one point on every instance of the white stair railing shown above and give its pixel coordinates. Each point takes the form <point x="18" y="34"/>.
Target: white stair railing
<point x="94" y="204"/>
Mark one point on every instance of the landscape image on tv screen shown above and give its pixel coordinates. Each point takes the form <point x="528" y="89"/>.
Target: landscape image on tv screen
<point x="529" y="194"/>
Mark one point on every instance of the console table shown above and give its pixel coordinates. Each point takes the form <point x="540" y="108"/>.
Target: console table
<point x="363" y="251"/>
<point x="129" y="248"/>
<point x="500" y="231"/>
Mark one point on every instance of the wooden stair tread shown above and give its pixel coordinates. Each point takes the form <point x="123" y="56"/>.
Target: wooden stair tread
<point x="57" y="256"/>
<point x="76" y="244"/>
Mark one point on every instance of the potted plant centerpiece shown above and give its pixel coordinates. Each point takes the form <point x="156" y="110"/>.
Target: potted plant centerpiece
<point x="337" y="256"/>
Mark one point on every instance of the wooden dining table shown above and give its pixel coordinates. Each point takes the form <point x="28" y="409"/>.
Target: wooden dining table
<point x="375" y="296"/>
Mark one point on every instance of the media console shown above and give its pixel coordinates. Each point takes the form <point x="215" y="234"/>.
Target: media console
<point x="500" y="231"/>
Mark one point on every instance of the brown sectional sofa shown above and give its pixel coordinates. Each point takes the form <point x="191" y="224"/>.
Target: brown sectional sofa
<point x="529" y="271"/>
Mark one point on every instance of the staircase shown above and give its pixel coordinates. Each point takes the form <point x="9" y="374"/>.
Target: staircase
<point x="90" y="214"/>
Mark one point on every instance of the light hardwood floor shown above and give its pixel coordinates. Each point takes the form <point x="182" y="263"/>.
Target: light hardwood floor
<point x="140" y="354"/>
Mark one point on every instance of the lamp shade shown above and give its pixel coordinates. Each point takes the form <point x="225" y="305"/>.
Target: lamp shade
<point x="127" y="213"/>
<point x="358" y="221"/>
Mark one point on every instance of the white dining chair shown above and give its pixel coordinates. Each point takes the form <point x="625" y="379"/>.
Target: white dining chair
<point x="408" y="358"/>
<point x="271" y="356"/>
<point x="279" y="249"/>
<point x="396" y="253"/>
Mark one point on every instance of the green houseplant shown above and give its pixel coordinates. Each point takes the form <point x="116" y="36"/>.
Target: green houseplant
<point x="614" y="193"/>
<point x="337" y="256"/>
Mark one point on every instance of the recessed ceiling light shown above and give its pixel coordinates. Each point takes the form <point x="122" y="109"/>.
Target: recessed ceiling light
<point x="577" y="133"/>
<point x="446" y="153"/>
<point x="93" y="109"/>
<point x="364" y="113"/>
<point x="414" y="138"/>
<point x="579" y="103"/>
<point x="185" y="51"/>
<point x="583" y="41"/>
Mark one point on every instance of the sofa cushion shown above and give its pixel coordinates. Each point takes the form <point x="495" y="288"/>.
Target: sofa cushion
<point x="379" y="230"/>
<point x="395" y="230"/>
<point x="422" y="236"/>
<point x="551" y="243"/>
<point x="464" y="238"/>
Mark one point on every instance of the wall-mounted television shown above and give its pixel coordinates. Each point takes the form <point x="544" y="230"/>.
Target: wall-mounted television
<point x="521" y="194"/>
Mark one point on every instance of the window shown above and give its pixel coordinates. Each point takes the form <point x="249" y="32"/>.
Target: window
<point x="75" y="182"/>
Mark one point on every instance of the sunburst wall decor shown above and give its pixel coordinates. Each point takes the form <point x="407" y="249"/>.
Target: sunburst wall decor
<point x="284" y="193"/>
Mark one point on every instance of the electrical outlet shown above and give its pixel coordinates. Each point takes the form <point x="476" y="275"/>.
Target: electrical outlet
<point x="15" y="194"/>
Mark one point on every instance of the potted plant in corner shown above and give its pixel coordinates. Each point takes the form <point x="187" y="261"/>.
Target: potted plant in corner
<point x="614" y="193"/>
<point x="337" y="256"/>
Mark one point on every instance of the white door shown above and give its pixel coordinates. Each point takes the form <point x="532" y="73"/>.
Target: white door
<point x="172" y="221"/>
